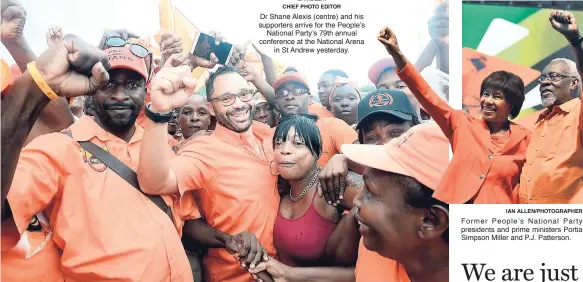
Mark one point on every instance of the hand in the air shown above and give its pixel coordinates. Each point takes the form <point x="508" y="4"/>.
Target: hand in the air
<point x="389" y="40"/>
<point x="564" y="22"/>
<point x="438" y="25"/>
<point x="203" y="63"/>
<point x="172" y="85"/>
<point x="170" y="44"/>
<point x="54" y="36"/>
<point x="13" y="21"/>
<point x="73" y="67"/>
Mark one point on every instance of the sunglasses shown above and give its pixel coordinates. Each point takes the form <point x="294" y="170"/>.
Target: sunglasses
<point x="136" y="49"/>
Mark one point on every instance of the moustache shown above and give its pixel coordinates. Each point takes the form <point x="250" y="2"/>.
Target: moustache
<point x="112" y="106"/>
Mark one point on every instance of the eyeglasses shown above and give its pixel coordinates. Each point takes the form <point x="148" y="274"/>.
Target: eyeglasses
<point x="553" y="77"/>
<point x="228" y="99"/>
<point x="296" y="92"/>
<point x="136" y="49"/>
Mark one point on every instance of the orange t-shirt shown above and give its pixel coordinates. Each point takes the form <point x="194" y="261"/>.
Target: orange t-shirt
<point x="478" y="171"/>
<point x="553" y="173"/>
<point x="372" y="267"/>
<point x="106" y="229"/>
<point x="335" y="132"/>
<point x="237" y="192"/>
<point x="319" y="110"/>
<point x="44" y="263"/>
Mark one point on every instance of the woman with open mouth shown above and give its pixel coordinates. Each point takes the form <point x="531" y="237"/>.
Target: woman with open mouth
<point x="304" y="233"/>
<point x="489" y="152"/>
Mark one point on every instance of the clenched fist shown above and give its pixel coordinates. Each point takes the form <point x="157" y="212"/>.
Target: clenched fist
<point x="564" y="22"/>
<point x="73" y="67"/>
<point x="389" y="40"/>
<point x="172" y="86"/>
<point x="13" y="20"/>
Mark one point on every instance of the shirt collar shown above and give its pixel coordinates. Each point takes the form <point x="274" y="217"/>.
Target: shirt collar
<point x="86" y="128"/>
<point x="566" y="108"/>
<point x="260" y="131"/>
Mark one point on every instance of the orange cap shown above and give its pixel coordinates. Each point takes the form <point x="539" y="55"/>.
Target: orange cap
<point x="290" y="76"/>
<point x="379" y="67"/>
<point x="122" y="58"/>
<point x="421" y="153"/>
<point x="7" y="78"/>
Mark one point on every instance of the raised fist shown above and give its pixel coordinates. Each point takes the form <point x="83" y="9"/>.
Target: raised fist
<point x="172" y="86"/>
<point x="389" y="40"/>
<point x="73" y="67"/>
<point x="564" y="22"/>
<point x="13" y="20"/>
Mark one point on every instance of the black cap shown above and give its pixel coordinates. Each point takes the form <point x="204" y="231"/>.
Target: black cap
<point x="386" y="101"/>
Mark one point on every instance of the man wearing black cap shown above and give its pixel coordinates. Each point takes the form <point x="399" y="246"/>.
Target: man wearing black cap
<point x="384" y="115"/>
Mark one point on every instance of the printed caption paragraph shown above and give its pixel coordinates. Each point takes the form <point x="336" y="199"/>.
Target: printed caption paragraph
<point x="307" y="28"/>
<point x="516" y="243"/>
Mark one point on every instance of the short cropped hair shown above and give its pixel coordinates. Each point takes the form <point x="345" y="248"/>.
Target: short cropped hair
<point x="508" y="83"/>
<point x="211" y="80"/>
<point x="571" y="71"/>
<point x="305" y="128"/>
<point x="419" y="196"/>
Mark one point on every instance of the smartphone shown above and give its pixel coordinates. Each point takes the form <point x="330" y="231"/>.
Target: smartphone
<point x="206" y="44"/>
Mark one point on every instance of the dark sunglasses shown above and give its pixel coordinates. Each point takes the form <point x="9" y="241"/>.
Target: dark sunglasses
<point x="136" y="49"/>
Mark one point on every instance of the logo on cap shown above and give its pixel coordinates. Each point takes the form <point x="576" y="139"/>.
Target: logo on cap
<point x="380" y="99"/>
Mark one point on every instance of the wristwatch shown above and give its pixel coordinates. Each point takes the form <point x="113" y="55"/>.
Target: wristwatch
<point x="157" y="117"/>
<point x="576" y="42"/>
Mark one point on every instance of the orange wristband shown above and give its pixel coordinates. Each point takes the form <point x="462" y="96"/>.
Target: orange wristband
<point x="40" y="81"/>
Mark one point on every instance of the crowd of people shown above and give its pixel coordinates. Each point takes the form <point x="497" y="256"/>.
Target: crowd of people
<point x="113" y="170"/>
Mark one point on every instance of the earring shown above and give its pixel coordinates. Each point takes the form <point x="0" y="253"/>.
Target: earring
<point x="270" y="165"/>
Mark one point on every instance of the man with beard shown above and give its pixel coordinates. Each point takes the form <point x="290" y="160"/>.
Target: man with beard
<point x="553" y="173"/>
<point x="90" y="209"/>
<point x="227" y="172"/>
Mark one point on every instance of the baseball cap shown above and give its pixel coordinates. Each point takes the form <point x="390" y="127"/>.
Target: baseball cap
<point x="421" y="153"/>
<point x="379" y="67"/>
<point x="122" y="58"/>
<point x="386" y="101"/>
<point x="290" y="76"/>
<point x="259" y="99"/>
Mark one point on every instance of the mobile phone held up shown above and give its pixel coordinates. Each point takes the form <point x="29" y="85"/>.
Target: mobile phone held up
<point x="206" y="44"/>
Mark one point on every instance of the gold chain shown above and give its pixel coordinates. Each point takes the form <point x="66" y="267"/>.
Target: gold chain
<point x="305" y="189"/>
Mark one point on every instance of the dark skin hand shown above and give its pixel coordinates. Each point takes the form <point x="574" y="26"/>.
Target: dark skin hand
<point x="71" y="68"/>
<point x="56" y="115"/>
<point x="244" y="245"/>
<point x="333" y="178"/>
<point x="564" y="23"/>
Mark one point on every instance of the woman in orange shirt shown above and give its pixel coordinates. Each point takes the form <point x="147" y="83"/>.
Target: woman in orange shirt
<point x="489" y="152"/>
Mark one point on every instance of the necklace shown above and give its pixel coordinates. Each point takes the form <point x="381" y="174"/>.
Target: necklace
<point x="305" y="189"/>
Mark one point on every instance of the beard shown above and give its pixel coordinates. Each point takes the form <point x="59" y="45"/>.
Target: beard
<point x="113" y="121"/>
<point x="224" y="120"/>
<point x="549" y="101"/>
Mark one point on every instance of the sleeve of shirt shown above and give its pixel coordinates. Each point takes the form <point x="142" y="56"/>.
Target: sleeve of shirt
<point x="441" y="112"/>
<point x="342" y="133"/>
<point x="36" y="181"/>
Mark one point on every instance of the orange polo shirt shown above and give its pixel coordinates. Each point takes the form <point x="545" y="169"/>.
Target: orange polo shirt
<point x="334" y="132"/>
<point x="106" y="229"/>
<point x="553" y="173"/>
<point x="478" y="171"/>
<point x="44" y="263"/>
<point x="319" y="110"/>
<point x="237" y="191"/>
